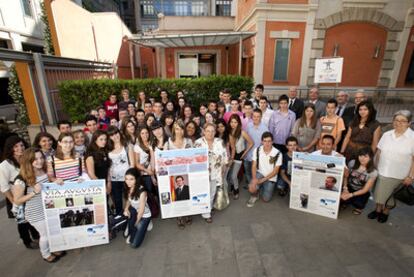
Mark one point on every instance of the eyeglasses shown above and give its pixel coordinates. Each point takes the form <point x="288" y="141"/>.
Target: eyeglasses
<point x="400" y="121"/>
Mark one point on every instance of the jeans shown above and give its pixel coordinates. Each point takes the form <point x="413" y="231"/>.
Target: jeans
<point x="248" y="170"/>
<point x="27" y="232"/>
<point x="117" y="194"/>
<point x="148" y="183"/>
<point x="266" y="189"/>
<point x="43" y="241"/>
<point x="137" y="232"/>
<point x="281" y="184"/>
<point x="234" y="171"/>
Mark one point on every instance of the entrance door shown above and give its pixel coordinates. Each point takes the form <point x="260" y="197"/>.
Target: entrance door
<point x="192" y="65"/>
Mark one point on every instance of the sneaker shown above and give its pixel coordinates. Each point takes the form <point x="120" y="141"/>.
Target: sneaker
<point x="126" y="232"/>
<point x="252" y="201"/>
<point x="373" y="215"/>
<point x="382" y="218"/>
<point x="236" y="194"/>
<point x="150" y="226"/>
<point x="128" y="240"/>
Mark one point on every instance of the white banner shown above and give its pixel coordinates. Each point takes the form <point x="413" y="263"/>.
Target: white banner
<point x="183" y="182"/>
<point x="328" y="70"/>
<point x="76" y="214"/>
<point x="316" y="183"/>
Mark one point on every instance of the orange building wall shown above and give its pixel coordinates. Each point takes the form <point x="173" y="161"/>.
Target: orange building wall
<point x="243" y="9"/>
<point x="406" y="62"/>
<point x="357" y="42"/>
<point x="287" y="1"/>
<point x="148" y="61"/>
<point x="296" y="51"/>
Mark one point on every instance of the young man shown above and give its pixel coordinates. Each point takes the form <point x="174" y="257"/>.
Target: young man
<point x="226" y="99"/>
<point x="266" y="163"/>
<point x="64" y="126"/>
<point x="247" y="114"/>
<point x="111" y="106"/>
<point x="282" y="121"/>
<point x="327" y="147"/>
<point x="91" y="125"/>
<point x="157" y="110"/>
<point x="235" y="109"/>
<point x="266" y="112"/>
<point x="258" y="93"/>
<point x="125" y="100"/>
<point x="255" y="129"/>
<point x="140" y="116"/>
<point x="212" y="107"/>
<point x="320" y="106"/>
<point x="243" y="95"/>
<point x="331" y="123"/>
<point x="283" y="182"/>
<point x="295" y="104"/>
<point x="147" y="107"/>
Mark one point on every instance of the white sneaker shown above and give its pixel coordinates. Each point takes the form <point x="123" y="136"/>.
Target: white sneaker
<point x="126" y="232"/>
<point x="252" y="201"/>
<point x="128" y="240"/>
<point x="150" y="226"/>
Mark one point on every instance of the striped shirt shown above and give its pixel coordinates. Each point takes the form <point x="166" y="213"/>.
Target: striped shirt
<point x="34" y="208"/>
<point x="67" y="169"/>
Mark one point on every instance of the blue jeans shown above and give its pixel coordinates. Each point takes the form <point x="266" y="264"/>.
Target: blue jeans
<point x="248" y="170"/>
<point x="137" y="232"/>
<point x="148" y="183"/>
<point x="281" y="184"/>
<point x="117" y="191"/>
<point x="266" y="189"/>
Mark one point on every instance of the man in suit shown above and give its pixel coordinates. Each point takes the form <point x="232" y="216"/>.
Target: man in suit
<point x="344" y="108"/>
<point x="182" y="191"/>
<point x="320" y="106"/>
<point x="295" y="104"/>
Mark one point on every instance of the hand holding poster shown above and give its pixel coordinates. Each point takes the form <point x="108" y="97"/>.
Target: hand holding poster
<point x="316" y="183"/>
<point x="328" y="70"/>
<point x="76" y="214"/>
<point x="183" y="182"/>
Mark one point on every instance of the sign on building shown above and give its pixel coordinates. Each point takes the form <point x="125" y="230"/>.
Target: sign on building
<point x="328" y="70"/>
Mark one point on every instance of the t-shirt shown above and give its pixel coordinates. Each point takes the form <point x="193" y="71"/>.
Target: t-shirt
<point x="120" y="164"/>
<point x="111" y="109"/>
<point x="266" y="161"/>
<point x="358" y="179"/>
<point x="101" y="163"/>
<point x="8" y="173"/>
<point x="135" y="204"/>
<point x="144" y="157"/>
<point x="331" y="126"/>
<point x="67" y="169"/>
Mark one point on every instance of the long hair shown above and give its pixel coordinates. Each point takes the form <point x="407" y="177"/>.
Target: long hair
<point x="26" y="166"/>
<point x="302" y="120"/>
<point x="362" y="152"/>
<point x="125" y="133"/>
<point x="372" y="113"/>
<point x="59" y="153"/>
<point x="41" y="135"/>
<point x="182" y="116"/>
<point x="93" y="147"/>
<point x="113" y="130"/>
<point x="139" y="184"/>
<point x="238" y="131"/>
<point x="179" y="123"/>
<point x="8" y="152"/>
<point x="197" y="133"/>
<point x="225" y="136"/>
<point x="141" y="142"/>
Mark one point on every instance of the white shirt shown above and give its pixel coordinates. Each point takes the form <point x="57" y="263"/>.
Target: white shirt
<point x="8" y="173"/>
<point x="266" y="116"/>
<point x="265" y="166"/>
<point x="333" y="153"/>
<point x="396" y="154"/>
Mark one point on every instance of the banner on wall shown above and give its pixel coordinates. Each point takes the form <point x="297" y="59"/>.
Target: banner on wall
<point x="183" y="182"/>
<point x="76" y="214"/>
<point x="328" y="70"/>
<point x="316" y="183"/>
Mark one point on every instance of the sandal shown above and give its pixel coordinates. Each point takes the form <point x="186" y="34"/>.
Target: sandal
<point x="209" y="220"/>
<point x="54" y="260"/>
<point x="356" y="211"/>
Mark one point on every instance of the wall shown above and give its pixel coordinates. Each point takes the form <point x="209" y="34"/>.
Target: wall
<point x="296" y="51"/>
<point x="185" y="24"/>
<point x="244" y="7"/>
<point x="406" y="61"/>
<point x="287" y="1"/>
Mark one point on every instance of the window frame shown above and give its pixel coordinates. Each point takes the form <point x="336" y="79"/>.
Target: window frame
<point x="30" y="7"/>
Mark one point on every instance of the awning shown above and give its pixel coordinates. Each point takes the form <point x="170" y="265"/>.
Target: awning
<point x="190" y="40"/>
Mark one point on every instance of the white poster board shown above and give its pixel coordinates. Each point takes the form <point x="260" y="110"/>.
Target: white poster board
<point x="328" y="70"/>
<point x="183" y="182"/>
<point x="316" y="183"/>
<point x="76" y="214"/>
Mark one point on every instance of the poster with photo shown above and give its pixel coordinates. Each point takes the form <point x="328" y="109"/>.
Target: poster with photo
<point x="328" y="70"/>
<point x="183" y="182"/>
<point x="76" y="214"/>
<point x="316" y="183"/>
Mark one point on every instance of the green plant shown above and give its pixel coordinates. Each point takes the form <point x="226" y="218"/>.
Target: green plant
<point x="80" y="96"/>
<point x="46" y="31"/>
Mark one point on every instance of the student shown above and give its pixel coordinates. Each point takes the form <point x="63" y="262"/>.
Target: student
<point x="258" y="94"/>
<point x="281" y="122"/>
<point x="64" y="126"/>
<point x="136" y="208"/>
<point x="144" y="157"/>
<point x="46" y="143"/>
<point x="80" y="142"/>
<point x="266" y="164"/>
<point x="283" y="182"/>
<point x="168" y="122"/>
<point x="157" y="108"/>
<point x="103" y="120"/>
<point x="234" y="109"/>
<point x="140" y="117"/>
<point x="192" y="131"/>
<point x="332" y="124"/>
<point x="91" y="125"/>
<point x="111" y="106"/>
<point x="126" y="100"/>
<point x="226" y="99"/>
<point x="186" y="113"/>
<point x="164" y="98"/>
<point x="141" y="99"/>
<point x="128" y="131"/>
<point x="149" y="119"/>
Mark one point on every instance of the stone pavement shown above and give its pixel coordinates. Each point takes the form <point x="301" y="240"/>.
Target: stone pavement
<point x="267" y="240"/>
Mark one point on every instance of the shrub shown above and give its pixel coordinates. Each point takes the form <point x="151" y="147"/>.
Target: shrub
<point x="80" y="96"/>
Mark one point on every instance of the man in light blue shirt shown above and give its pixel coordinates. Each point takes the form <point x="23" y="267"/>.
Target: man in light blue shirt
<point x="281" y="122"/>
<point x="255" y="130"/>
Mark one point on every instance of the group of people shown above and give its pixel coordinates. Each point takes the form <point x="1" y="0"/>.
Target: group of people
<point x="245" y="137"/>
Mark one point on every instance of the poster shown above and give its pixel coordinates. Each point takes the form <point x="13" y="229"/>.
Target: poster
<point x="76" y="214"/>
<point x="328" y="70"/>
<point x="183" y="182"/>
<point x="316" y="183"/>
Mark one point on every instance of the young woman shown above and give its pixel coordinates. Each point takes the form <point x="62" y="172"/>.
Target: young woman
<point x="240" y="145"/>
<point x="65" y="166"/>
<point x="136" y="208"/>
<point x="141" y="100"/>
<point x="180" y="105"/>
<point x="149" y="119"/>
<point x="186" y="113"/>
<point x="80" y="142"/>
<point x="360" y="180"/>
<point x="221" y="109"/>
<point x="46" y="143"/>
<point x="178" y="141"/>
<point x="203" y="109"/>
<point x="128" y="130"/>
<point x="192" y="131"/>
<point x="122" y="156"/>
<point x="164" y="97"/>
<point x="209" y="118"/>
<point x="170" y="107"/>
<point x="158" y="136"/>
<point x="168" y="122"/>
<point x="144" y="157"/>
<point x="26" y="191"/>
<point x="363" y="131"/>
<point x="97" y="159"/>
<point x="307" y="129"/>
<point x="9" y="169"/>
<point x="222" y="132"/>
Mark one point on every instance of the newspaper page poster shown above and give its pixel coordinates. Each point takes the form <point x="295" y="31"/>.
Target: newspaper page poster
<point x="316" y="183"/>
<point x="76" y="214"/>
<point x="183" y="182"/>
<point x="328" y="70"/>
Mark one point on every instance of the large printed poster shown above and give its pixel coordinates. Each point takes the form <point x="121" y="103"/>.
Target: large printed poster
<point x="328" y="70"/>
<point x="316" y="183"/>
<point x="183" y="182"/>
<point x="76" y="214"/>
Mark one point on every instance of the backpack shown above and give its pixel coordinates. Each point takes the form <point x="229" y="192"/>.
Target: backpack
<point x="258" y="158"/>
<point x="116" y="224"/>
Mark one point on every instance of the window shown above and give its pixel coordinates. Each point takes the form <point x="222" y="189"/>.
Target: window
<point x="4" y="44"/>
<point x="181" y="8"/>
<point x="281" y="65"/>
<point x="27" y="8"/>
<point x="147" y="8"/>
<point x="223" y="7"/>
<point x="198" y="8"/>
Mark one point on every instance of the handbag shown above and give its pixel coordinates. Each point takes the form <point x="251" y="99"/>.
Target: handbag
<point x="222" y="199"/>
<point x="402" y="193"/>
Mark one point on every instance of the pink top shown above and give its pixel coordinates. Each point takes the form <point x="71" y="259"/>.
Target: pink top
<point x="227" y="115"/>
